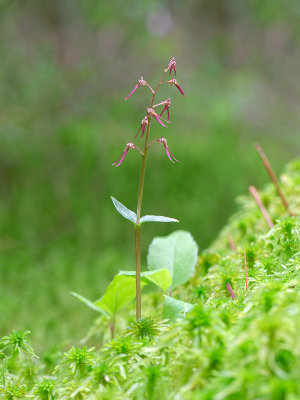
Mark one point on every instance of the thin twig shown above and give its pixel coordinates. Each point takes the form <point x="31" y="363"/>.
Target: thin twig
<point x="272" y="175"/>
<point x="245" y="259"/>
<point x="260" y="205"/>
<point x="231" y="242"/>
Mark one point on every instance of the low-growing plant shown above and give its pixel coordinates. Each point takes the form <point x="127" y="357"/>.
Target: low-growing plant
<point x="136" y="218"/>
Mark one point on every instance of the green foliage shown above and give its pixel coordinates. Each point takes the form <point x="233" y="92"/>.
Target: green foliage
<point x="131" y="216"/>
<point x="146" y="328"/>
<point x="242" y="349"/>
<point x="122" y="290"/>
<point x="174" y="309"/>
<point x="177" y="252"/>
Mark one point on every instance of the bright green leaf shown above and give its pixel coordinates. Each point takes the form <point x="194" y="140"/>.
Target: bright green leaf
<point x="177" y="252"/>
<point x="89" y="303"/>
<point x="124" y="211"/>
<point x="118" y="294"/>
<point x="174" y="309"/>
<point x="161" y="277"/>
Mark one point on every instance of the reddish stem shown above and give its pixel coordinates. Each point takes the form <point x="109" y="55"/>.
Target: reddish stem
<point x="260" y="205"/>
<point x="272" y="175"/>
<point x="231" y="242"/>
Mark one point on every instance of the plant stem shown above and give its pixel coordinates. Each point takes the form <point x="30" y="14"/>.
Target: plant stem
<point x="260" y="205"/>
<point x="245" y="262"/>
<point x="138" y="272"/>
<point x="272" y="176"/>
<point x="139" y="209"/>
<point x="112" y="326"/>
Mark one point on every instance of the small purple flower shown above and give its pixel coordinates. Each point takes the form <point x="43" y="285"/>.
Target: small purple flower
<point x="158" y="118"/>
<point x="141" y="82"/>
<point x="144" y="123"/>
<point x="166" y="104"/>
<point x="163" y="141"/>
<point x="172" y="65"/>
<point x="174" y="82"/>
<point x="128" y="146"/>
<point x="229" y="288"/>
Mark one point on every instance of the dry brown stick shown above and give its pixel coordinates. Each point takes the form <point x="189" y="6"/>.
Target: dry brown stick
<point x="231" y="242"/>
<point x="272" y="175"/>
<point x="260" y="205"/>
<point x="245" y="259"/>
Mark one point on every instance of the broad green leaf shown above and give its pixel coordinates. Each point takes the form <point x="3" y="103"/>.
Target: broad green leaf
<point x="161" y="277"/>
<point x="124" y="211"/>
<point x="174" y="309"/>
<point x="89" y="303"/>
<point x="177" y="252"/>
<point x="157" y="218"/>
<point x="118" y="294"/>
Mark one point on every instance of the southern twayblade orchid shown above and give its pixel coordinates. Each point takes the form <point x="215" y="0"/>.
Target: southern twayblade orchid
<point x="166" y="104"/>
<point x="174" y="82"/>
<point x="129" y="145"/>
<point x="158" y="118"/>
<point x="141" y="82"/>
<point x="163" y="141"/>
<point x="144" y="123"/>
<point x="171" y="66"/>
<point x="145" y="128"/>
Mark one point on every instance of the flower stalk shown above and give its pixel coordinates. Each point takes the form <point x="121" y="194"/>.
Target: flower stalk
<point x="145" y="132"/>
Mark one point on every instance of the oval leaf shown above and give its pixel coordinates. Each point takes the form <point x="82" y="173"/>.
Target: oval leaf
<point x="174" y="309"/>
<point x="157" y="218"/>
<point x="178" y="252"/>
<point x="160" y="277"/>
<point x="118" y="294"/>
<point x="124" y="211"/>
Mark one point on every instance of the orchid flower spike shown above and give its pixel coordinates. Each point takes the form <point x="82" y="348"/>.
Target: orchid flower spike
<point x="174" y="82"/>
<point x="151" y="111"/>
<point x="171" y="66"/>
<point x="144" y="123"/>
<point x="166" y="104"/>
<point x="128" y="146"/>
<point x="141" y="82"/>
<point x="163" y="141"/>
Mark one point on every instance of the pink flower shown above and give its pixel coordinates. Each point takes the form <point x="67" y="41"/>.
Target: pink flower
<point x="144" y="123"/>
<point x="174" y="82"/>
<point x="229" y="288"/>
<point x="141" y="82"/>
<point x="172" y="65"/>
<point x="166" y="104"/>
<point x="163" y="141"/>
<point x="128" y="146"/>
<point x="158" y="118"/>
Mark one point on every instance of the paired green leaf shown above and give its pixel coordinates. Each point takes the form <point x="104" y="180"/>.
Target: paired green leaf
<point x="122" y="290"/>
<point x="119" y="293"/>
<point x="178" y="252"/>
<point x="161" y="277"/>
<point x="131" y="216"/>
<point x="124" y="211"/>
<point x="157" y="218"/>
<point x="174" y="309"/>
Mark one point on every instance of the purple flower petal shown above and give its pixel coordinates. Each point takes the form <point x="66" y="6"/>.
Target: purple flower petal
<point x="180" y="90"/>
<point x="134" y="89"/>
<point x="122" y="157"/>
<point x="158" y="119"/>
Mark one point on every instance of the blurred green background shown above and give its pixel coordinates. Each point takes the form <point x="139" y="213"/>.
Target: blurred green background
<point x="66" y="67"/>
